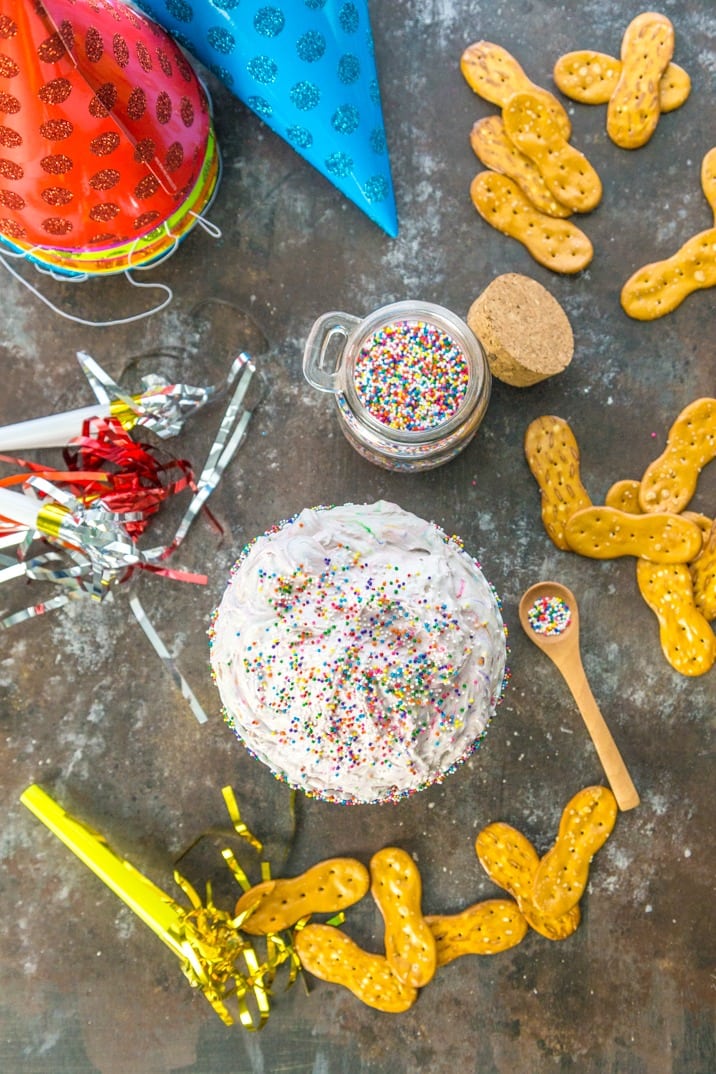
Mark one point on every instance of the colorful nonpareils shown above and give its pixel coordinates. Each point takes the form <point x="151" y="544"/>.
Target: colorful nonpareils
<point x="549" y="615"/>
<point x="411" y="375"/>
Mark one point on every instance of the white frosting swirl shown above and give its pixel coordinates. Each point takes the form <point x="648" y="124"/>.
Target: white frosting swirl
<point x="359" y="652"/>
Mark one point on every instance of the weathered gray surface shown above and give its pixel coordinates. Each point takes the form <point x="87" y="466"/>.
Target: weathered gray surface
<point x="88" y="712"/>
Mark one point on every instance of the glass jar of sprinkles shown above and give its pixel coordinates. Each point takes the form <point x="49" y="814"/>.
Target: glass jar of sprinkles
<point x="411" y="382"/>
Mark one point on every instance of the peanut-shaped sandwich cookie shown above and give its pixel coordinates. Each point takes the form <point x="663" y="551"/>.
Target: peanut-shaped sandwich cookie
<point x="669" y="482"/>
<point x="557" y="244"/>
<point x="624" y="496"/>
<point x="661" y="286"/>
<point x="331" y="955"/>
<point x="586" y="824"/>
<point x="607" y="532"/>
<point x="591" y="78"/>
<point x="495" y="75"/>
<point x="325" y="888"/>
<point x="634" y="107"/>
<point x="681" y="596"/>
<point x="687" y="640"/>
<point x="511" y="862"/>
<point x="493" y="147"/>
<point x="397" y="889"/>
<point x="703" y="575"/>
<point x="485" y="928"/>
<point x="553" y="457"/>
<point x="567" y="172"/>
<point x="708" y="179"/>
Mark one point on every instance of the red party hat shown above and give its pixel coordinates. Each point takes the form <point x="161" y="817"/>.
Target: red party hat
<point x="104" y="128"/>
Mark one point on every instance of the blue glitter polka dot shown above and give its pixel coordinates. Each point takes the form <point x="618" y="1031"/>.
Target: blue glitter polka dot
<point x="220" y="39"/>
<point x="348" y="18"/>
<point x="348" y="69"/>
<point x="263" y="69"/>
<point x="339" y="164"/>
<point x="180" y="10"/>
<point x="311" y="46"/>
<point x="305" y="95"/>
<point x="226" y="5"/>
<point x="269" y="21"/>
<point x="376" y="189"/>
<point x="260" y="105"/>
<point x="377" y="140"/>
<point x="300" y="137"/>
<point x="221" y="73"/>
<point x="374" y="91"/>
<point x="182" y="39"/>
<point x="345" y="119"/>
<point x="315" y="5"/>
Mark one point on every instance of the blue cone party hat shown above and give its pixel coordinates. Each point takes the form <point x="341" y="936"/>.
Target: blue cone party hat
<point x="307" y="68"/>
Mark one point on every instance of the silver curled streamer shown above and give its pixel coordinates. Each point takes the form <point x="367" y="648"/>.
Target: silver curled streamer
<point x="162" y="407"/>
<point x="229" y="438"/>
<point x="100" y="554"/>
<point x="166" y="658"/>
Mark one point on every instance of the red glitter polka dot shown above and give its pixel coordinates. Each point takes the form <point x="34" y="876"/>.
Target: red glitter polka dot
<point x="175" y="157"/>
<point x="11" y="199"/>
<point x="52" y="49"/>
<point x="9" y="104"/>
<point x="186" y="110"/>
<point x="145" y="150"/>
<point x="146" y="187"/>
<point x="104" y="238"/>
<point x="55" y="130"/>
<point x="8" y="26"/>
<point x="56" y="164"/>
<point x="8" y="67"/>
<point x="164" y="62"/>
<point x="145" y="220"/>
<point x="94" y="46"/>
<point x="104" y="179"/>
<point x="56" y="91"/>
<point x="105" y="212"/>
<point x="10" y="170"/>
<point x="163" y="109"/>
<point x="12" y="229"/>
<point x="104" y="144"/>
<point x="137" y="103"/>
<point x="184" y="68"/>
<point x="10" y="138"/>
<point x="55" y="225"/>
<point x="120" y="49"/>
<point x="57" y="195"/>
<point x="145" y="60"/>
<point x="67" y="34"/>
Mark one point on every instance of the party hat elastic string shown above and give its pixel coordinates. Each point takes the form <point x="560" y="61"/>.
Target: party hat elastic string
<point x="169" y="295"/>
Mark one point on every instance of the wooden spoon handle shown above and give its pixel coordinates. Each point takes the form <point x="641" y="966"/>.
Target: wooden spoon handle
<point x="615" y="770"/>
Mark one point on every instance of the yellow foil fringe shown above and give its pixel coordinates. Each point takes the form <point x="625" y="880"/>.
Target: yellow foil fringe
<point x="216" y="956"/>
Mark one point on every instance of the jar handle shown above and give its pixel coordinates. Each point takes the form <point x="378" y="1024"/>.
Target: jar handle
<point x="320" y="367"/>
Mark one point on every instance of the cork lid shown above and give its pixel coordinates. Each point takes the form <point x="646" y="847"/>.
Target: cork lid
<point x="523" y="329"/>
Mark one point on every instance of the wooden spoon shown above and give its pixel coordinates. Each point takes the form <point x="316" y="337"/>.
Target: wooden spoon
<point x="562" y="647"/>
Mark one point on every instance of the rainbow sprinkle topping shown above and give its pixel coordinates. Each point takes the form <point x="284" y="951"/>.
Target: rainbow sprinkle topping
<point x="411" y="376"/>
<point x="549" y="615"/>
